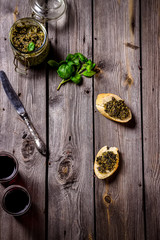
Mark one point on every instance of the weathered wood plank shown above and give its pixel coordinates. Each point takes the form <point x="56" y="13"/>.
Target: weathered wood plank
<point x="151" y="113"/>
<point x="71" y="210"/>
<point x="14" y="136"/>
<point x="119" y="200"/>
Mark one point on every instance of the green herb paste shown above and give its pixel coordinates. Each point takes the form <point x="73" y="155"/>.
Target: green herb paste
<point x="24" y="34"/>
<point x="116" y="109"/>
<point x="106" y="162"/>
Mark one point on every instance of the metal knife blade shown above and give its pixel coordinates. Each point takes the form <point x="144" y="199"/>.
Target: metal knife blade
<point x="14" y="99"/>
<point x="11" y="94"/>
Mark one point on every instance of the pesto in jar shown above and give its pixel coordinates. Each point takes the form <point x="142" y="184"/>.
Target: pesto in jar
<point x="116" y="109"/>
<point x="24" y="34"/>
<point x="106" y="162"/>
<point x="29" y="42"/>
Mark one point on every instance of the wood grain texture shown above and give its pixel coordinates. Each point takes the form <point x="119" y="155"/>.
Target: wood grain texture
<point x="151" y="113"/>
<point x="74" y="212"/>
<point x="119" y="200"/>
<point x="14" y="136"/>
<point x="71" y="205"/>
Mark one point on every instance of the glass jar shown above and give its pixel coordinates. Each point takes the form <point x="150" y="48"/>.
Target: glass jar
<point x="42" y="11"/>
<point x="34" y="57"/>
<point x="8" y="167"/>
<point x="16" y="200"/>
<point x="48" y="10"/>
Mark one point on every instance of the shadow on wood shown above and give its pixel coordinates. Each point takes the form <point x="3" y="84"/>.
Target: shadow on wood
<point x="54" y="54"/>
<point x="32" y="219"/>
<point x="132" y="123"/>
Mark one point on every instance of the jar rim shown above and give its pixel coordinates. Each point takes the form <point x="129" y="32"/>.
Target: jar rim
<point x="14" y="174"/>
<point x="42" y="28"/>
<point x="12" y="188"/>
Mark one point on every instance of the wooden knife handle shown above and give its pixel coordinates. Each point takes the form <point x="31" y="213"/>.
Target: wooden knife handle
<point x="40" y="145"/>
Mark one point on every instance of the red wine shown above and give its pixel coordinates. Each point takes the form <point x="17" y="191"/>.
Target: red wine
<point x="16" y="201"/>
<point x="7" y="167"/>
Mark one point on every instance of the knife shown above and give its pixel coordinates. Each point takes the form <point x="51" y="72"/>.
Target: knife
<point x="41" y="147"/>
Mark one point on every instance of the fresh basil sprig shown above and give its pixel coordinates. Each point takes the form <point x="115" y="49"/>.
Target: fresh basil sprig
<point x="73" y="68"/>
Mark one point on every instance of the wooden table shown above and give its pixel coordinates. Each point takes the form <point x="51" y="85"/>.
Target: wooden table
<point x="68" y="201"/>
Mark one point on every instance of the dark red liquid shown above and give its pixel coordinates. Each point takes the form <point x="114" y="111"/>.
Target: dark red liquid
<point x="7" y="167"/>
<point x="16" y="201"/>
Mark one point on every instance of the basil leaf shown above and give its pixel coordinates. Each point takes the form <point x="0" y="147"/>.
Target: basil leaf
<point x="61" y="62"/>
<point x="70" y="57"/>
<point x="88" y="74"/>
<point x="65" y="71"/>
<point x="31" y="47"/>
<point x="93" y="65"/>
<point x="81" y="57"/>
<point x="89" y="62"/>
<point x="78" y="67"/>
<point x="89" y="68"/>
<point x="77" y="78"/>
<point x="76" y="61"/>
<point x="90" y="65"/>
<point x="70" y="63"/>
<point x="53" y="63"/>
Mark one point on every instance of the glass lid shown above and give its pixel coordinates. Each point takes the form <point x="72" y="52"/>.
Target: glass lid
<point x="48" y="9"/>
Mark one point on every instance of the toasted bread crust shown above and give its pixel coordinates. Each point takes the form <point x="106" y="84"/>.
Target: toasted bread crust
<point x="109" y="173"/>
<point x="102" y="99"/>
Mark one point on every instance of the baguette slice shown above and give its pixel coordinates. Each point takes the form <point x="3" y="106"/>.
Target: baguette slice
<point x="108" y="172"/>
<point x="102" y="99"/>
